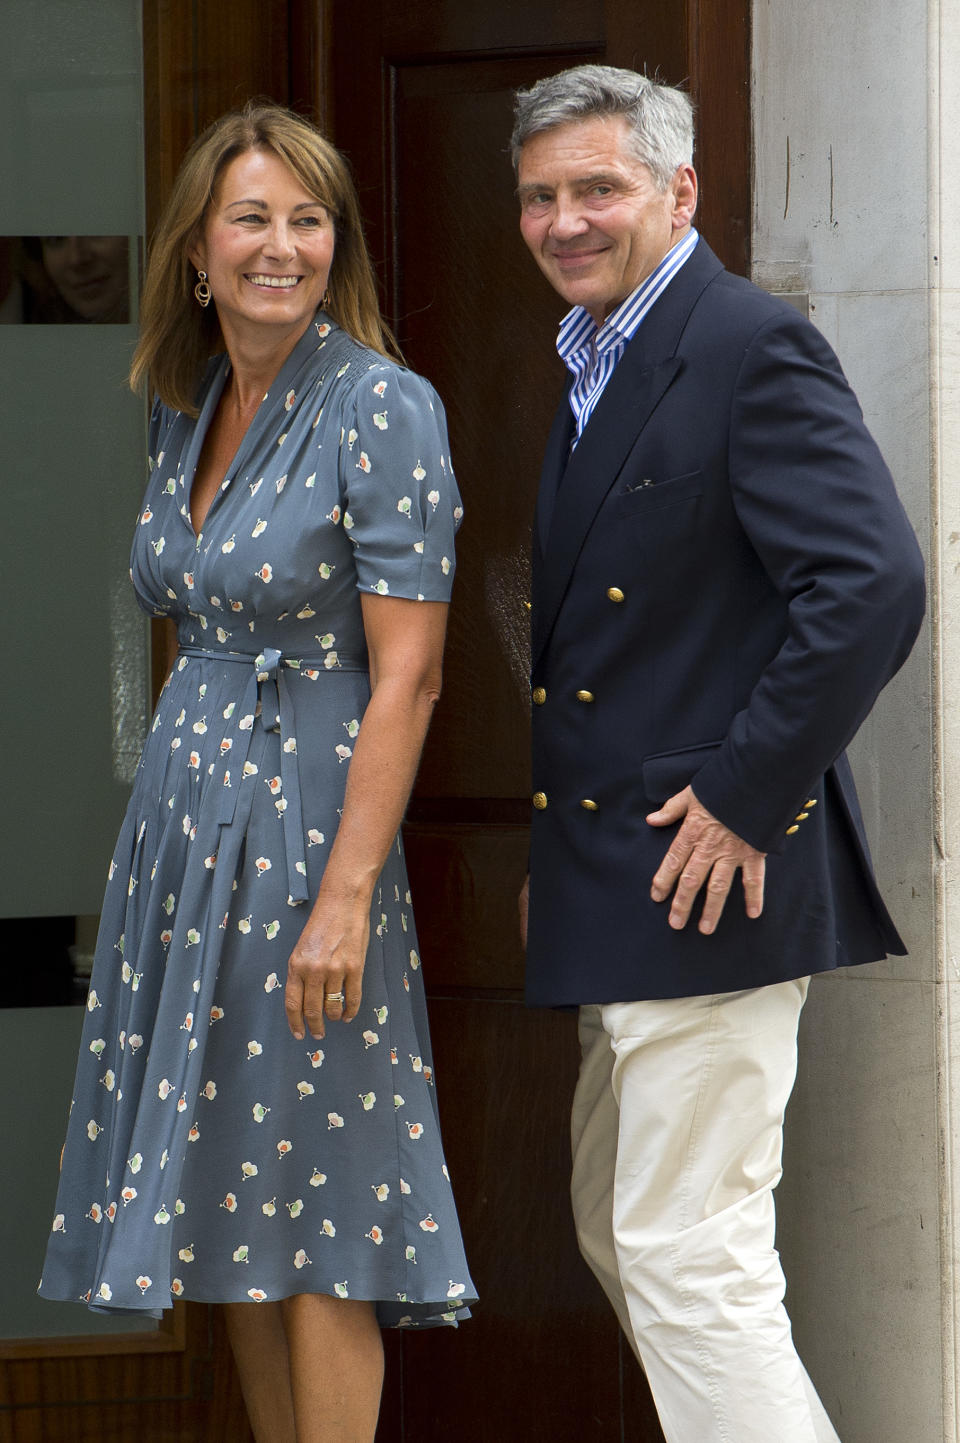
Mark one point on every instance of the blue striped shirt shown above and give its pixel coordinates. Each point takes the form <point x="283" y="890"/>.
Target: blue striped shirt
<point x="591" y="352"/>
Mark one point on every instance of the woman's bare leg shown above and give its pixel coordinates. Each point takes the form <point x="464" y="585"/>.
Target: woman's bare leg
<point x="259" y="1342"/>
<point x="336" y="1368"/>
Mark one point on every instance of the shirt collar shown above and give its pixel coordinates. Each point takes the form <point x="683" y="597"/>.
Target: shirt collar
<point x="579" y="329"/>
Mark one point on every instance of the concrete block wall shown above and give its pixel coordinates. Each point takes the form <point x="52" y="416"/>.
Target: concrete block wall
<point x="851" y="132"/>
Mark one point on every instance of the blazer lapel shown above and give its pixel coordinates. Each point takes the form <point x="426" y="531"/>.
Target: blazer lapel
<point x="649" y="365"/>
<point x="555" y="461"/>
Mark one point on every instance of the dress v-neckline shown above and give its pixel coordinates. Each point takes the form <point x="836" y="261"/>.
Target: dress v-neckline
<point x="306" y="345"/>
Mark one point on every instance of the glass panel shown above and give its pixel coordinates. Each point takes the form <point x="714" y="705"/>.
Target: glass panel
<point x="70" y="83"/>
<point x="72" y="450"/>
<point x="72" y="459"/>
<point x="72" y="455"/>
<point x="38" y="1048"/>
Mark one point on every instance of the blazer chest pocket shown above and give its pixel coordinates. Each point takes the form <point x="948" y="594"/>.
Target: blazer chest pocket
<point x="666" y="773"/>
<point x="648" y="496"/>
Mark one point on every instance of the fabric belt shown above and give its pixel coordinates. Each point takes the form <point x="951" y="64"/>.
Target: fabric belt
<point x="266" y="697"/>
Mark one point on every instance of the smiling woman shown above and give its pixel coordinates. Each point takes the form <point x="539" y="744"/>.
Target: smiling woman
<point x="297" y="530"/>
<point x="267" y="248"/>
<point x="177" y="337"/>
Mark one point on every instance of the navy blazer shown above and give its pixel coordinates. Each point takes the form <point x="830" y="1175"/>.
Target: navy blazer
<point x="723" y="580"/>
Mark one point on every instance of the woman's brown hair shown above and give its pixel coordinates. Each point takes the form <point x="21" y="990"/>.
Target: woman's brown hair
<point x="177" y="336"/>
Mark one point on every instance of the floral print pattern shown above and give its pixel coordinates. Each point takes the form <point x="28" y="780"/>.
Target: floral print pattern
<point x="209" y="1154"/>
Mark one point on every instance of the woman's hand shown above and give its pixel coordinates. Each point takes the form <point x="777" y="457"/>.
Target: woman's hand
<point x="405" y="645"/>
<point x="325" y="970"/>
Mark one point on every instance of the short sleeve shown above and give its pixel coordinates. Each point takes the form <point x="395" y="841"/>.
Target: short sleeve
<point x="401" y="503"/>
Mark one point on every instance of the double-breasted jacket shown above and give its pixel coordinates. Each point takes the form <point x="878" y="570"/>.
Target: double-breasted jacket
<point x="723" y="580"/>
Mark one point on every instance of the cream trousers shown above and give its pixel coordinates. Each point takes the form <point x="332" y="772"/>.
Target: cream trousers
<point x="677" y="1133"/>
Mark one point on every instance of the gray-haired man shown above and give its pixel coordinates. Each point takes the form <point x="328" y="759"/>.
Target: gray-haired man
<point x="723" y="580"/>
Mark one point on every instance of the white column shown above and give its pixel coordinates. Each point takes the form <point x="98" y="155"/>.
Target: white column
<point x="847" y="179"/>
<point x="945" y="432"/>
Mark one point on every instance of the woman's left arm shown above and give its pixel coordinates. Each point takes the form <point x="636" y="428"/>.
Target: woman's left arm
<point x="405" y="645"/>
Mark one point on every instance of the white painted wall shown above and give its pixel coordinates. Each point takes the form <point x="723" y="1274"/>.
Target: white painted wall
<point x="846" y="127"/>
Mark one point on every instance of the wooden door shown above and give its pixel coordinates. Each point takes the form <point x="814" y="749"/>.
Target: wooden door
<point x="418" y="93"/>
<point x="420" y="97"/>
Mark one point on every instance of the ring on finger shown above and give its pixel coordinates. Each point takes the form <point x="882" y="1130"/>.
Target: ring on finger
<point x="335" y="997"/>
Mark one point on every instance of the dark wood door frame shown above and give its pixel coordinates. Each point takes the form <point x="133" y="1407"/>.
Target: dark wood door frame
<point x="201" y="59"/>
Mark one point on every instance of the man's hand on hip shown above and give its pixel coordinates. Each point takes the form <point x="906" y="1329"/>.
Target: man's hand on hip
<point x="704" y="852"/>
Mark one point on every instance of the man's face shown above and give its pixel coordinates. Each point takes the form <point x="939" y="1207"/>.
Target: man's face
<point x="592" y="215"/>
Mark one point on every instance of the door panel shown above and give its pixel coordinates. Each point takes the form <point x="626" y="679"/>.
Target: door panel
<point x="539" y="1360"/>
<point x="419" y="94"/>
<point x="420" y="98"/>
<point x="462" y="289"/>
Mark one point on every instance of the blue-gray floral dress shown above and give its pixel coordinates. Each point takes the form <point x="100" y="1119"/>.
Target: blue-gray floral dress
<point x="209" y="1155"/>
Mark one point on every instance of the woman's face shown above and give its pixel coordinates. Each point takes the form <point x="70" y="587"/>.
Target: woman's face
<point x="90" y="273"/>
<point x="267" y="247"/>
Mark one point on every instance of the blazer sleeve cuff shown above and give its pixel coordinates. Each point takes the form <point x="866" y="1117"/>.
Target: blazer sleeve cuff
<point x="760" y="815"/>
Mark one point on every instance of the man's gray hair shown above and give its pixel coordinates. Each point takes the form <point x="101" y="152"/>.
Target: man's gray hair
<point x="659" y="117"/>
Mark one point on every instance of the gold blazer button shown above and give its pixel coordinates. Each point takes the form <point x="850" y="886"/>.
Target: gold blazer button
<point x="791" y="830"/>
<point x="614" y="593"/>
<point x="539" y="695"/>
<point x="540" y="800"/>
<point x="588" y="805"/>
<point x="584" y="696"/>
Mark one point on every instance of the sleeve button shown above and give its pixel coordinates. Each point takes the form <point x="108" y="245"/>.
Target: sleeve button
<point x="539" y="695"/>
<point x="791" y="830"/>
<point x="588" y="805"/>
<point x="584" y="696"/>
<point x="540" y="801"/>
<point x="614" y="593"/>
